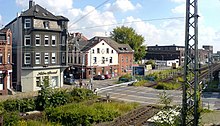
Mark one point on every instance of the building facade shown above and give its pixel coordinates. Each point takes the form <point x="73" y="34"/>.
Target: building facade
<point x="5" y="61"/>
<point x="39" y="48"/>
<point x="92" y="57"/>
<point x="165" y="53"/>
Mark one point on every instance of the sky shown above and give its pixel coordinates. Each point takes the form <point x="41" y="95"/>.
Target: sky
<point x="160" y="22"/>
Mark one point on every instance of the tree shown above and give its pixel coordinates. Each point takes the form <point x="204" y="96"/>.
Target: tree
<point x="126" y="35"/>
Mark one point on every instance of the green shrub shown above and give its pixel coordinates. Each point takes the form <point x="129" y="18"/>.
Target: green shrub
<point x="22" y="105"/>
<point x="167" y="86"/>
<point x="140" y="83"/>
<point x="11" y="118"/>
<point x="81" y="114"/>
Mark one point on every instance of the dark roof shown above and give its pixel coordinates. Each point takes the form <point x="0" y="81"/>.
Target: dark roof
<point x="40" y="12"/>
<point x="3" y="33"/>
<point x="62" y="18"/>
<point x="165" y="46"/>
<point x="120" y="48"/>
<point x="85" y="45"/>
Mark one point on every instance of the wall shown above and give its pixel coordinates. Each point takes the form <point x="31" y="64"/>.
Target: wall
<point x="29" y="78"/>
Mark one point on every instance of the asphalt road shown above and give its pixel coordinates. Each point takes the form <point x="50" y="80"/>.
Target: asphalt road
<point x="145" y="95"/>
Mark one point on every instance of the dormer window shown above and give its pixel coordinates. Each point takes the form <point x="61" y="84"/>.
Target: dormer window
<point x="46" y="24"/>
<point x="27" y="23"/>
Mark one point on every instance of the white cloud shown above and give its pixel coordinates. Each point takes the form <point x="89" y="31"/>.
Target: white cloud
<point x="178" y="1"/>
<point x="181" y="9"/>
<point x="102" y="19"/>
<point x="55" y="6"/>
<point x="122" y="5"/>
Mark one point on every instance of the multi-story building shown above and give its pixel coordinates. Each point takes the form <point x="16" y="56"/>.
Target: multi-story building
<point x="101" y="55"/>
<point x="5" y="61"/>
<point x="125" y="56"/>
<point x="165" y="53"/>
<point x="39" y="48"/>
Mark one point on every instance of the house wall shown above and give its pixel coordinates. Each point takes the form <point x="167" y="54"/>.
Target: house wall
<point x="29" y="78"/>
<point x="125" y="63"/>
<point x="102" y="53"/>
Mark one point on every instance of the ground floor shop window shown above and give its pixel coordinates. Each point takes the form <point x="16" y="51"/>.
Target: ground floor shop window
<point x="54" y="81"/>
<point x="38" y="81"/>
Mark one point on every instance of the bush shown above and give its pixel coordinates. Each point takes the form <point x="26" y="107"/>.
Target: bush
<point x="11" y="118"/>
<point x="140" y="83"/>
<point x="22" y="105"/>
<point x="167" y="86"/>
<point x="81" y="114"/>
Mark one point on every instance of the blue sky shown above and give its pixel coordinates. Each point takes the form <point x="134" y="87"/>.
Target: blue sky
<point x="161" y="32"/>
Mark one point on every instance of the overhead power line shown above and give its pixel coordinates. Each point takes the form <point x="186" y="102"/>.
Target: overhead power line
<point x="153" y="19"/>
<point x="89" y="13"/>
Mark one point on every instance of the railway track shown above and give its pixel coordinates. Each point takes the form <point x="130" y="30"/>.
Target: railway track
<point x="137" y="117"/>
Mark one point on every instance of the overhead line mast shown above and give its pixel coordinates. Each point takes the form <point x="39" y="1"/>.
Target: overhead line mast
<point x="191" y="94"/>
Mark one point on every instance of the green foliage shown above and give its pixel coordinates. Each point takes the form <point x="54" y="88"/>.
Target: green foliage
<point x="165" y="98"/>
<point x="36" y="123"/>
<point x="81" y="94"/>
<point x="22" y="105"/>
<point x="127" y="35"/>
<point x="81" y="114"/>
<point x="168" y="86"/>
<point x="151" y="62"/>
<point x="11" y="118"/>
<point x="140" y="83"/>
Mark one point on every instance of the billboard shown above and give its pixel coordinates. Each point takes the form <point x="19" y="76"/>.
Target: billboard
<point x="138" y="70"/>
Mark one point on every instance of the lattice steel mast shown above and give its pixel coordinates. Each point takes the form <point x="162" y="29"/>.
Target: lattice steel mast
<point x="191" y="96"/>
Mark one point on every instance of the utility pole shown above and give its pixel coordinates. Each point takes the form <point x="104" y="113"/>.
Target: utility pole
<point x="191" y="93"/>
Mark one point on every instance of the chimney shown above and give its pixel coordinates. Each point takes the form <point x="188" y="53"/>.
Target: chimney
<point x="31" y="3"/>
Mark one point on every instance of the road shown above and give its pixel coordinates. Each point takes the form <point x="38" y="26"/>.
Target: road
<point x="145" y="95"/>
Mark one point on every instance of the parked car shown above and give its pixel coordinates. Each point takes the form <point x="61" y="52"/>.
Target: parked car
<point x="69" y="80"/>
<point x="99" y="77"/>
<point x="107" y="76"/>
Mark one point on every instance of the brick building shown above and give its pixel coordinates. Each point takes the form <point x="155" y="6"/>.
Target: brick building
<point x="5" y="61"/>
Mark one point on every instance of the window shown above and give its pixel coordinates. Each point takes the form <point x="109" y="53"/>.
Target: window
<point x="98" y="50"/>
<point x="27" y="23"/>
<point x="46" y="24"/>
<point x="103" y="60"/>
<point x="37" y="58"/>
<point x="53" y="40"/>
<point x="75" y="59"/>
<point x="63" y="57"/>
<point x="112" y="51"/>
<point x="46" y="58"/>
<point x="107" y="50"/>
<point x="38" y="81"/>
<point x="27" y="40"/>
<point x="37" y="40"/>
<point x="93" y="51"/>
<point x="94" y="60"/>
<point x="110" y="60"/>
<point x="53" y="57"/>
<point x="27" y="58"/>
<point x="9" y="57"/>
<point x="0" y="58"/>
<point x="122" y="59"/>
<point x="8" y="39"/>
<point x="54" y="81"/>
<point x="79" y="60"/>
<point x="46" y="40"/>
<point x="126" y="59"/>
<point x="103" y="43"/>
<point x="63" y="41"/>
